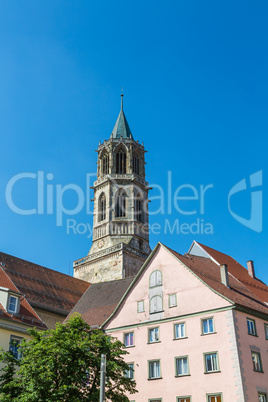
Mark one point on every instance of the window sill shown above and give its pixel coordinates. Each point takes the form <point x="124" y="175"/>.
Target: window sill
<point x="130" y="346"/>
<point x="178" y="339"/>
<point x="212" y="372"/>
<point x="152" y="379"/>
<point x="172" y="306"/>
<point x="209" y="333"/>
<point x="182" y="375"/>
<point x="258" y="371"/>
<point x="151" y="343"/>
<point x="156" y="312"/>
<point x="253" y="335"/>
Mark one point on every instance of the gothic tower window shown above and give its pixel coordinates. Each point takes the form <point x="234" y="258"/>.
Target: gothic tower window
<point x="121" y="161"/>
<point x="136" y="163"/>
<point x="102" y="208"/>
<point x="138" y="208"/>
<point x="105" y="164"/>
<point x="120" y="206"/>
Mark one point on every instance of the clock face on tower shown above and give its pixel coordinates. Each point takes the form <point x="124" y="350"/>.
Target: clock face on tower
<point x="101" y="243"/>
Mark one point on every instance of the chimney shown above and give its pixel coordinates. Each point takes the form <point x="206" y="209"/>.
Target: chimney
<point x="251" y="270"/>
<point x="224" y="275"/>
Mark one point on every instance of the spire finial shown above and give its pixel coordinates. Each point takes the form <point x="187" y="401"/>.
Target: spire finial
<point x="122" y="95"/>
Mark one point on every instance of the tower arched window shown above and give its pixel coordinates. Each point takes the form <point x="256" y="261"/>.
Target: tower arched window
<point x="102" y="207"/>
<point x="121" y="161"/>
<point x="136" y="163"/>
<point x="138" y="208"/>
<point x="120" y="206"/>
<point x="105" y="164"/>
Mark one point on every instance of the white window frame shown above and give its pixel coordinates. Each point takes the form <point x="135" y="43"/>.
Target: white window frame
<point x="262" y="397"/>
<point x="126" y="334"/>
<point x="157" y="338"/>
<point x="16" y="305"/>
<point x="158" y="307"/>
<point x="209" y="320"/>
<point x="18" y="339"/>
<point x="214" y="369"/>
<point x="258" y="362"/>
<point x="266" y="331"/>
<point x="179" y="324"/>
<point x="184" y="398"/>
<point x="155" y="361"/>
<point x="183" y="373"/>
<point x="210" y="396"/>
<point x="130" y="372"/>
<point x="251" y="326"/>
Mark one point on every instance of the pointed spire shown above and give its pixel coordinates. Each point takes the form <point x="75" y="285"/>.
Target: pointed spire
<point x="121" y="128"/>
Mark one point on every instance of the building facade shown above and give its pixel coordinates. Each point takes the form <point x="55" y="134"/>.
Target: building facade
<point x="120" y="225"/>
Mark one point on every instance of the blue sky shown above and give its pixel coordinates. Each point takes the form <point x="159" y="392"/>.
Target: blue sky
<point x="195" y="83"/>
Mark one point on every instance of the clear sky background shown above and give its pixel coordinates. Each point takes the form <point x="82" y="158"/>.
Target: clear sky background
<point x="195" y="83"/>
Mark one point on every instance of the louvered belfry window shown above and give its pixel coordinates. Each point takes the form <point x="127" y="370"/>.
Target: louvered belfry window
<point x="102" y="207"/>
<point x="105" y="164"/>
<point x="136" y="164"/>
<point x="120" y="208"/>
<point x="121" y="159"/>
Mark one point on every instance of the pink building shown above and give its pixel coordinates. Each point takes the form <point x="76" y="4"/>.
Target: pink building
<point x="195" y="326"/>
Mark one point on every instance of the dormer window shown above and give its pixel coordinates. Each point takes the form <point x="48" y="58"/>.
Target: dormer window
<point x="13" y="302"/>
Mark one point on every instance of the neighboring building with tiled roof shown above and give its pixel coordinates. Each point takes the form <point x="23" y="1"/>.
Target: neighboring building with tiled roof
<point x="16" y="314"/>
<point x="50" y="293"/>
<point x="195" y="311"/>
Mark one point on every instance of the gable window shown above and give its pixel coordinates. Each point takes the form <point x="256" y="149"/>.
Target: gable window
<point x="154" y="369"/>
<point x="121" y="159"/>
<point x="256" y="360"/>
<point x="179" y="330"/>
<point x="251" y="327"/>
<point x="14" y="346"/>
<point x="129" y="339"/>
<point x="207" y="326"/>
<point x="184" y="399"/>
<point x="156" y="304"/>
<point x="211" y="362"/>
<point x="136" y="164"/>
<point x="155" y="278"/>
<point x="214" y="398"/>
<point x="13" y="304"/>
<point x="172" y="300"/>
<point x="105" y="164"/>
<point x="120" y="207"/>
<point x="102" y="206"/>
<point x="153" y="335"/>
<point x="262" y="397"/>
<point x="266" y="330"/>
<point x="140" y="306"/>
<point x="182" y="366"/>
<point x="130" y="372"/>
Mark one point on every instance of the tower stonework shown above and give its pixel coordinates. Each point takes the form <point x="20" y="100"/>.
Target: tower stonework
<point x="120" y="222"/>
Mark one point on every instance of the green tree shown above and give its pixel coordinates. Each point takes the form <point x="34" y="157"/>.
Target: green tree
<point x="64" y="365"/>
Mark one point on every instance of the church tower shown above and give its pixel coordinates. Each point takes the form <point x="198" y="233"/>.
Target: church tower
<point x="120" y="224"/>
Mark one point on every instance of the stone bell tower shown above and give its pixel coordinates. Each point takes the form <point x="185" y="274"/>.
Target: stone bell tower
<point x="120" y="225"/>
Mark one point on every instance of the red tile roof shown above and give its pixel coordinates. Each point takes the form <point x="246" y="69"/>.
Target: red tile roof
<point x="26" y="314"/>
<point x="254" y="284"/>
<point x="100" y="300"/>
<point x="44" y="288"/>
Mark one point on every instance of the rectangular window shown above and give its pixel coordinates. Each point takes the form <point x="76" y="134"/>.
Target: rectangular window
<point x="129" y="339"/>
<point x="172" y="300"/>
<point x="251" y="327"/>
<point x="154" y="369"/>
<point x="211" y="362"/>
<point x="14" y="346"/>
<point x="214" y="398"/>
<point x="179" y="330"/>
<point x="182" y="367"/>
<point x="266" y="330"/>
<point x="256" y="360"/>
<point x="153" y="335"/>
<point x="130" y="372"/>
<point x="184" y="399"/>
<point x="262" y="397"/>
<point x="207" y="326"/>
<point x="155" y="400"/>
<point x="140" y="306"/>
<point x="12" y="304"/>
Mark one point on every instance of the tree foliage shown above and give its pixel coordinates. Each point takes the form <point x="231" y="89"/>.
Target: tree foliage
<point x="64" y="365"/>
